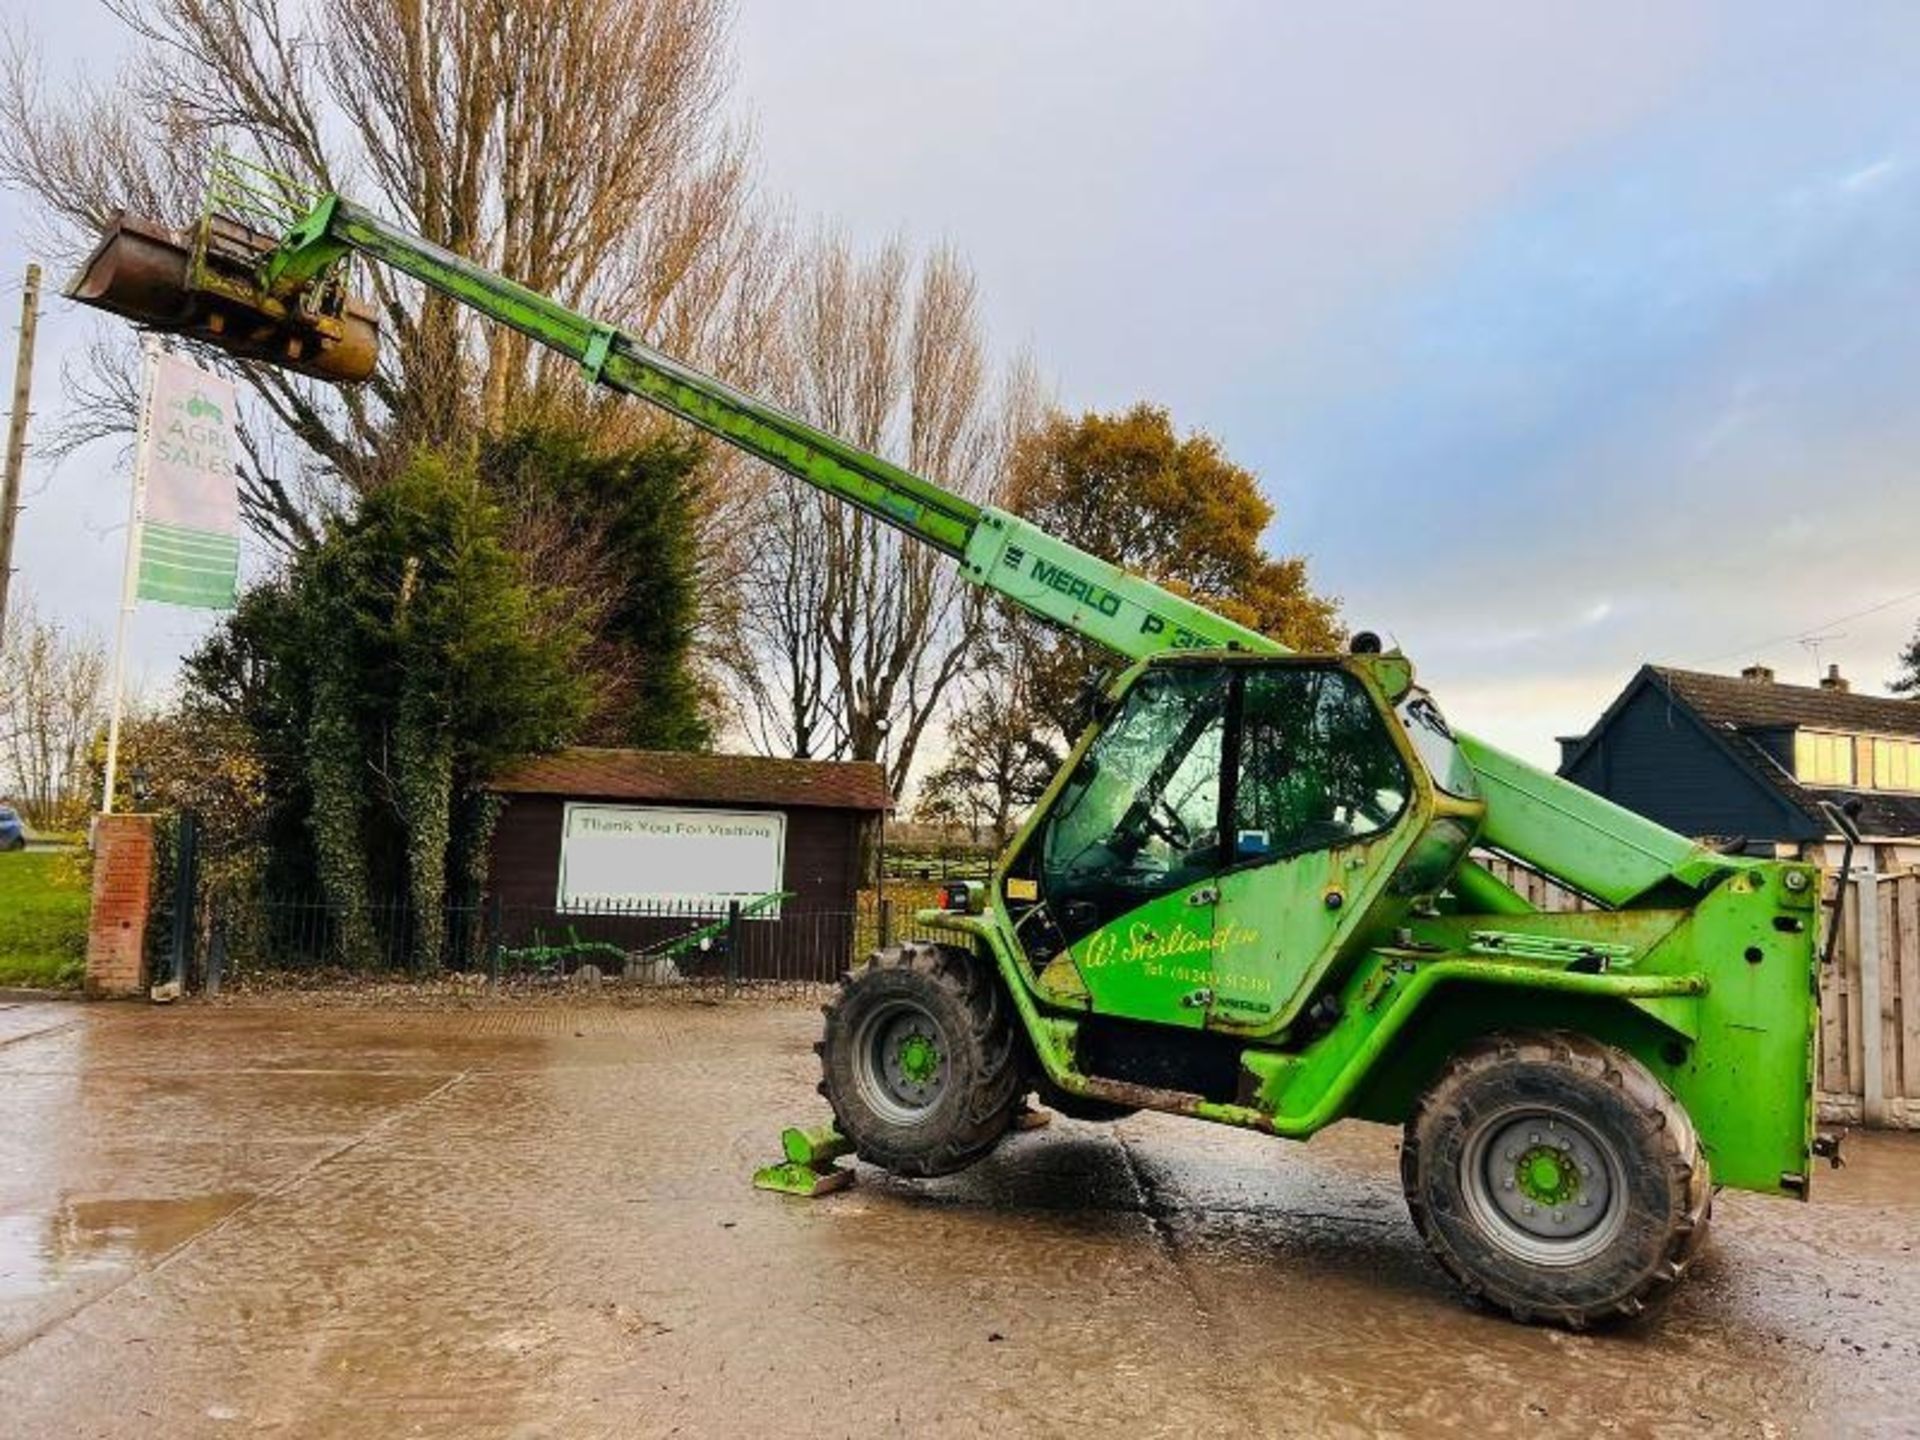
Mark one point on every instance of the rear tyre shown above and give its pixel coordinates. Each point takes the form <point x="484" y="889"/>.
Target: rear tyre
<point x="1555" y="1178"/>
<point x="919" y="1059"/>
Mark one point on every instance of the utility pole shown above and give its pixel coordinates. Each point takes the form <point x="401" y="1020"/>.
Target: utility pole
<point x="17" y="433"/>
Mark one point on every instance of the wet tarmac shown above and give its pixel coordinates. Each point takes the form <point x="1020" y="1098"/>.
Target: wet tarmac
<point x="534" y="1222"/>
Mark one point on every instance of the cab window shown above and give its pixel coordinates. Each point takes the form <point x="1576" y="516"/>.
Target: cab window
<point x="1318" y="767"/>
<point x="1141" y="814"/>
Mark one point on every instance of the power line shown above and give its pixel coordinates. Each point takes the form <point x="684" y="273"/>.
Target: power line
<point x="1810" y="629"/>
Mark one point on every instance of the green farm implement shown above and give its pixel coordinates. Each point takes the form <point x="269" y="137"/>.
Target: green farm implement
<point x="1250" y="896"/>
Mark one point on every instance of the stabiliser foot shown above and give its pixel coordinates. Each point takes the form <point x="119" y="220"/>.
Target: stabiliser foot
<point x="808" y="1169"/>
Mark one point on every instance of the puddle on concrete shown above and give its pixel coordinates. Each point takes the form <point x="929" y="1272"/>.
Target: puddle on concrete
<point x="1879" y="1173"/>
<point x="40" y="1251"/>
<point x="564" y="1243"/>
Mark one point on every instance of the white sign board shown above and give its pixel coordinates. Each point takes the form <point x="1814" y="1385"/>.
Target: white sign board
<point x="697" y="860"/>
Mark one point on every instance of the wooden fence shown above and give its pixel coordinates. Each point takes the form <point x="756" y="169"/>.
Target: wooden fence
<point x="1844" y="1039"/>
<point x="1845" y="991"/>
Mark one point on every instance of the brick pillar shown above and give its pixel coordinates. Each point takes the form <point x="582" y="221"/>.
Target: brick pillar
<point x="122" y="893"/>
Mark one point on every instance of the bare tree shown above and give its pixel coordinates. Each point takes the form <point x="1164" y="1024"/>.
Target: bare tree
<point x="52" y="706"/>
<point x="551" y="544"/>
<point x="852" y="634"/>
<point x="998" y="755"/>
<point x="781" y="671"/>
<point x="575" y="145"/>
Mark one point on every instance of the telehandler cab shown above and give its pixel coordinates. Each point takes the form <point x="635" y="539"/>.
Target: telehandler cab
<point x="1250" y="895"/>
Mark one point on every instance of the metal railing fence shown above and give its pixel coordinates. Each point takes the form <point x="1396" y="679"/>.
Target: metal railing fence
<point x="653" y="944"/>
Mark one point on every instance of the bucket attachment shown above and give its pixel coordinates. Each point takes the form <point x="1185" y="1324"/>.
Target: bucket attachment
<point x="202" y="284"/>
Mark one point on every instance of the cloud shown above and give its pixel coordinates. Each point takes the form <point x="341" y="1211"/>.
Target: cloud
<point x="1868" y="177"/>
<point x="1566" y="336"/>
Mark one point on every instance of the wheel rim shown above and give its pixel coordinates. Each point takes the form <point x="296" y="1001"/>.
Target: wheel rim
<point x="1543" y="1185"/>
<point x="900" y="1062"/>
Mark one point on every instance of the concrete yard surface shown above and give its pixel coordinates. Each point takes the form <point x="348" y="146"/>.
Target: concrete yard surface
<point x="535" y="1221"/>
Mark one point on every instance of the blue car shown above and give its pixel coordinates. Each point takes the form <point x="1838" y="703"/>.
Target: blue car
<point x="13" y="830"/>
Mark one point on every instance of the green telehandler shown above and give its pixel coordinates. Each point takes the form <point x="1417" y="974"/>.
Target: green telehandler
<point x="1254" y="894"/>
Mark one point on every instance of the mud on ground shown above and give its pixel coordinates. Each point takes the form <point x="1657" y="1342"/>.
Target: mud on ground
<point x="276" y="1219"/>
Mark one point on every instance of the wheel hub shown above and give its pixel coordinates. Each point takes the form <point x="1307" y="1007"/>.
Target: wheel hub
<point x="1547" y="1176"/>
<point x="919" y="1057"/>
<point x="901" y="1062"/>
<point x="1543" y="1185"/>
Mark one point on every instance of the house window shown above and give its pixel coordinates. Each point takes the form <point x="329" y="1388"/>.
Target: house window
<point x="1822" y="759"/>
<point x="1896" y="764"/>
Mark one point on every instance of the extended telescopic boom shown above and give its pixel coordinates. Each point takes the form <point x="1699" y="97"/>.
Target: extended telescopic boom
<point x="1056" y="581"/>
<point x="1557" y="827"/>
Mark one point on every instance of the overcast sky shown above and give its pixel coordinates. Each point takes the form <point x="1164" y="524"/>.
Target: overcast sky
<point x="1564" y="337"/>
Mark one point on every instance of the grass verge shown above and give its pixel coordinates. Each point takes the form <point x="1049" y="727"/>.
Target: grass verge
<point x="44" y="896"/>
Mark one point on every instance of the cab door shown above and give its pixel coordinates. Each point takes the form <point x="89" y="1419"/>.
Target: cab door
<point x="1319" y="802"/>
<point x="1130" y="851"/>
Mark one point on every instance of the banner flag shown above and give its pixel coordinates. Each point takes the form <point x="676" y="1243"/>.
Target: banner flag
<point x="190" y="531"/>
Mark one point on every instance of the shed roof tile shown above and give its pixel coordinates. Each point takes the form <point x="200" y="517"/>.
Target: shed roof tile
<point x="590" y="772"/>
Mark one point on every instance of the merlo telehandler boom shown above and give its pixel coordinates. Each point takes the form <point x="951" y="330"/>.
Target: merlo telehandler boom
<point x="1248" y="896"/>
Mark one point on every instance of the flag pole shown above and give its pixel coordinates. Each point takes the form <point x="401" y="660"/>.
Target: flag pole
<point x="130" y="578"/>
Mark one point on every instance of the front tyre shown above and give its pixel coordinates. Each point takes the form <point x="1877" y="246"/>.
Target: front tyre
<point x="1556" y="1178"/>
<point x="919" y="1060"/>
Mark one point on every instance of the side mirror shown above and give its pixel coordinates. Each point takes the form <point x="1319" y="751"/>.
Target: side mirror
<point x="1845" y="817"/>
<point x="1091" y="703"/>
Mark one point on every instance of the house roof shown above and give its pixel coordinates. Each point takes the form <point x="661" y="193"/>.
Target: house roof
<point x="1884" y="815"/>
<point x="1764" y="705"/>
<point x="588" y="772"/>
<point x="1731" y="703"/>
<point x="1733" y="710"/>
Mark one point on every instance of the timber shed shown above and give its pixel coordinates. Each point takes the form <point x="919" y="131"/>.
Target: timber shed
<point x="590" y="830"/>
